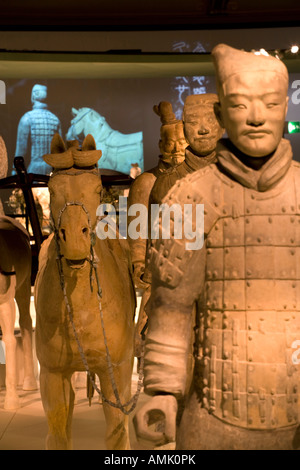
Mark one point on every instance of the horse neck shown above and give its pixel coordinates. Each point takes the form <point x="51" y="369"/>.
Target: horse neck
<point x="105" y="131"/>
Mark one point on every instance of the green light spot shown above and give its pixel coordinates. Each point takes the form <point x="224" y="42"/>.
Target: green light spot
<point x="293" y="127"/>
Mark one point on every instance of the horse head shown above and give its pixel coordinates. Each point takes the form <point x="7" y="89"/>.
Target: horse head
<point x="85" y="121"/>
<point x="74" y="187"/>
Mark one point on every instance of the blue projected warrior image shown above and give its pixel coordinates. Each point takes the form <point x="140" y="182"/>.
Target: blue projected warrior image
<point x="35" y="131"/>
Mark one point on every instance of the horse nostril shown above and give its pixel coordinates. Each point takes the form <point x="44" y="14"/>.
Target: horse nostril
<point x="63" y="234"/>
<point x="85" y="231"/>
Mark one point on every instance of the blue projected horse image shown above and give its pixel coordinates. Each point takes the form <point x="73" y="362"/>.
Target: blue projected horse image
<point x="119" y="151"/>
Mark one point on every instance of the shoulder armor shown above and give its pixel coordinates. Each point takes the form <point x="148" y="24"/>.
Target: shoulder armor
<point x="220" y="196"/>
<point x="140" y="189"/>
<point x="169" y="258"/>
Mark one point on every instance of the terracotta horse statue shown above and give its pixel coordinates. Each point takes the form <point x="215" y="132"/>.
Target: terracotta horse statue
<point x="15" y="283"/>
<point x="119" y="151"/>
<point x="85" y="300"/>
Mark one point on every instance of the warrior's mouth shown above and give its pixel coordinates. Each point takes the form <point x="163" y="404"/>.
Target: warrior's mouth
<point x="76" y="263"/>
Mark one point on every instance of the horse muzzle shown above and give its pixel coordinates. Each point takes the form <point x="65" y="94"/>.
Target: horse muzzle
<point x="75" y="246"/>
<point x="74" y="237"/>
<point x="76" y="264"/>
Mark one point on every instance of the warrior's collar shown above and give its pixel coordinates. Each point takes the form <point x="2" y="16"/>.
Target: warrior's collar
<point x="39" y="105"/>
<point x="195" y="162"/>
<point x="263" y="179"/>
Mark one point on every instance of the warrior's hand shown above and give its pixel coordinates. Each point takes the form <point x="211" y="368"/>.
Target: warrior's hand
<point x="155" y="422"/>
<point x="139" y="269"/>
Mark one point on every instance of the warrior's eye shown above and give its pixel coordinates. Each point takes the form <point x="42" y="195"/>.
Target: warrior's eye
<point x="238" y="106"/>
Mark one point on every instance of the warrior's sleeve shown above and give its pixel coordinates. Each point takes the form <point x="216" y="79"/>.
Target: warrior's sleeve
<point x="139" y="194"/>
<point x="23" y="136"/>
<point x="175" y="288"/>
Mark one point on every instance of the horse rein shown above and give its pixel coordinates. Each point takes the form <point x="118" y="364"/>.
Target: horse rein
<point x="93" y="260"/>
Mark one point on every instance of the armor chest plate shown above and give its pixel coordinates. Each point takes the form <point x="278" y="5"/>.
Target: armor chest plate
<point x="44" y="125"/>
<point x="249" y="315"/>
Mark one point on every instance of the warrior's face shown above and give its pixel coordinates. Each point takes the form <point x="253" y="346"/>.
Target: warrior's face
<point x="172" y="144"/>
<point x="201" y="128"/>
<point x="253" y="108"/>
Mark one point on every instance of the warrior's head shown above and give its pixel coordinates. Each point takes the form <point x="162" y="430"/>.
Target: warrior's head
<point x="253" y="99"/>
<point x="201" y="127"/>
<point x="39" y="93"/>
<point x="172" y="142"/>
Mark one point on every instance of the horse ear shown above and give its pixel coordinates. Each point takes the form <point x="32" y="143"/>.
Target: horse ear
<point x="57" y="144"/>
<point x="89" y="143"/>
<point x="59" y="157"/>
<point x="74" y="111"/>
<point x="3" y="159"/>
<point x="92" y="115"/>
<point x="88" y="155"/>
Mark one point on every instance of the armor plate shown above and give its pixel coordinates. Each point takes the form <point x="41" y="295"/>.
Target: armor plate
<point x="249" y="315"/>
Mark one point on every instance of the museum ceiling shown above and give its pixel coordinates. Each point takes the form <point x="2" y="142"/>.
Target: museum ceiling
<point x="142" y="15"/>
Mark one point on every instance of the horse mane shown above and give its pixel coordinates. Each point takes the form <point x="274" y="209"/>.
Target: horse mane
<point x="63" y="157"/>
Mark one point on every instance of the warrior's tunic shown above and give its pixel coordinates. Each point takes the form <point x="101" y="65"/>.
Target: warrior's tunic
<point x="245" y="282"/>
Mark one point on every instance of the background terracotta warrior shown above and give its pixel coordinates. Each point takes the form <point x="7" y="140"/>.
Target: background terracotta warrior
<point x="172" y="144"/>
<point x="202" y="132"/>
<point x="244" y="280"/>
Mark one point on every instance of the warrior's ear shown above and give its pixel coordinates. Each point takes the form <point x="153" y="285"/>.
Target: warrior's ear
<point x="89" y="143"/>
<point x="92" y="115"/>
<point x="57" y="144"/>
<point x="218" y="114"/>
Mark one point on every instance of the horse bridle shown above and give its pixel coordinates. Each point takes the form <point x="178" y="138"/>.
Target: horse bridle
<point x="93" y="260"/>
<point x="74" y="121"/>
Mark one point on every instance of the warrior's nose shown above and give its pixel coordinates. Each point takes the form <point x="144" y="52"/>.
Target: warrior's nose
<point x="203" y="130"/>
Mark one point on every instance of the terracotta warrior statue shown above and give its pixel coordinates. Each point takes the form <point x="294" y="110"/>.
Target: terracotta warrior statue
<point x="35" y="131"/>
<point x="172" y="144"/>
<point x="202" y="132"/>
<point x="244" y="280"/>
